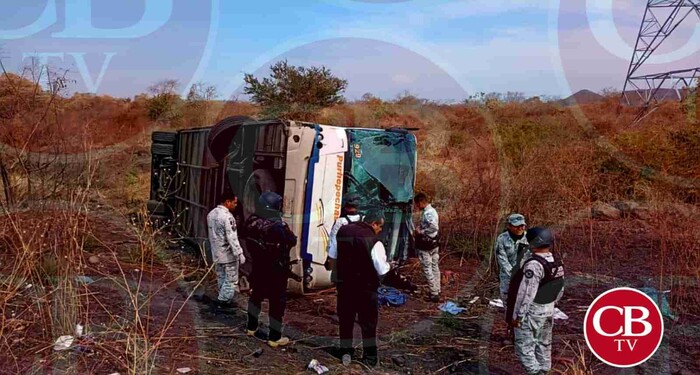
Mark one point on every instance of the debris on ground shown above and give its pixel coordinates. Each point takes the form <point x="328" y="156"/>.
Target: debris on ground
<point x="399" y="360"/>
<point x="184" y="370"/>
<point x="496" y="303"/>
<point x="657" y="296"/>
<point x="389" y="296"/>
<point x="63" y="343"/>
<point x="396" y="279"/>
<point x="87" y="280"/>
<point x="317" y="366"/>
<point x="451" y="308"/>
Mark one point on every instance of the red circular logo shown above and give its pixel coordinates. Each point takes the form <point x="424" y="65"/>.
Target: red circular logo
<point x="623" y="327"/>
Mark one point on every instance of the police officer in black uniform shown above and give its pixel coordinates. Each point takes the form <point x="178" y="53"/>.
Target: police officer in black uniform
<point x="269" y="240"/>
<point x="361" y="265"/>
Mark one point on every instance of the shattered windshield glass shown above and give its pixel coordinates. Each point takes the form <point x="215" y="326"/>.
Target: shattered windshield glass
<point x="382" y="164"/>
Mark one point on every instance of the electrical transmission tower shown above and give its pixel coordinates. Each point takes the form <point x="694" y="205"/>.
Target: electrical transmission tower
<point x="661" y="19"/>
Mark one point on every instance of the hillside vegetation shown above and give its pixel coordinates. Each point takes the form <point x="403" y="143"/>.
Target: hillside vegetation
<point x="623" y="198"/>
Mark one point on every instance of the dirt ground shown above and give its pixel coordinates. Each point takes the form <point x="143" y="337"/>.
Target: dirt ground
<point x="416" y="338"/>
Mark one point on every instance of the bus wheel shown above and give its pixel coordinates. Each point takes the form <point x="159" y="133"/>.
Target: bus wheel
<point x="222" y="133"/>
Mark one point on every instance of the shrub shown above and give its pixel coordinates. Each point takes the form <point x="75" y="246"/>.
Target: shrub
<point x="295" y="92"/>
<point x="164" y="104"/>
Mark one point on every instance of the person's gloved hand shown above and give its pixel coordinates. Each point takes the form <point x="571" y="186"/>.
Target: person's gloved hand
<point x="241" y="259"/>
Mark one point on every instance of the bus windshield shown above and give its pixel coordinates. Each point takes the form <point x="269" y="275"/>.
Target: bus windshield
<point x="382" y="164"/>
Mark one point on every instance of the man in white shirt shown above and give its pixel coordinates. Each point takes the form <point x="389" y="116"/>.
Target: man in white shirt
<point x="226" y="251"/>
<point x="361" y="266"/>
<point x="351" y="215"/>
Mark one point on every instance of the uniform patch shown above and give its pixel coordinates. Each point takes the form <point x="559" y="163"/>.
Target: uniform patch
<point x="528" y="274"/>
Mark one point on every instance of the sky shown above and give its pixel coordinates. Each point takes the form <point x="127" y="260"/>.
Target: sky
<point x="437" y="49"/>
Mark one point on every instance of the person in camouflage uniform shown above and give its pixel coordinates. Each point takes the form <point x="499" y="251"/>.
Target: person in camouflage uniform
<point x="538" y="286"/>
<point x="226" y="251"/>
<point x="427" y="243"/>
<point x="507" y="247"/>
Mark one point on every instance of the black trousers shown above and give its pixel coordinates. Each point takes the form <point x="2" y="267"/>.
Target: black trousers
<point x="274" y="289"/>
<point x="361" y="304"/>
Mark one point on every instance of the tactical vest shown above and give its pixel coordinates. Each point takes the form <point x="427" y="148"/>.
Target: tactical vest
<point x="258" y="230"/>
<point x="268" y="246"/>
<point x="550" y="286"/>
<point x="355" y="266"/>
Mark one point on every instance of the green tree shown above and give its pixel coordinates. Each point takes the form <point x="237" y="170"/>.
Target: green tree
<point x="295" y="92"/>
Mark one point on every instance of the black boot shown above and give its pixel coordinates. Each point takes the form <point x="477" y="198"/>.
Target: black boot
<point x="370" y="361"/>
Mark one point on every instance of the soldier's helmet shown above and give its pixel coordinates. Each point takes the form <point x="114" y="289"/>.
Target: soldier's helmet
<point x="270" y="201"/>
<point x="539" y="237"/>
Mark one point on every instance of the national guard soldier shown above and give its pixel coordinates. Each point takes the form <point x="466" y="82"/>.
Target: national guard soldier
<point x="427" y="243"/>
<point x="534" y="290"/>
<point x="226" y="251"/>
<point x="510" y="248"/>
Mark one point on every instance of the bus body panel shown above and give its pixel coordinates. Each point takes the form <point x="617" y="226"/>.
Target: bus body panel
<point x="325" y="202"/>
<point x="300" y="143"/>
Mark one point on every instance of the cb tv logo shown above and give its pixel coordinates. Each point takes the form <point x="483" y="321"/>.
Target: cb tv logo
<point x="623" y="327"/>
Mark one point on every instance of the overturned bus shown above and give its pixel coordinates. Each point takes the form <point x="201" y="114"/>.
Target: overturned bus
<point x="311" y="166"/>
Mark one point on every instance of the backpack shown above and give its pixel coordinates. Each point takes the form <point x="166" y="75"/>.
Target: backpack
<point x="548" y="290"/>
<point x="258" y="231"/>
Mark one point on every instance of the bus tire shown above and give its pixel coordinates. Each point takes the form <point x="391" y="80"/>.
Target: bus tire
<point x="164" y="137"/>
<point x="225" y="128"/>
<point x="162" y="149"/>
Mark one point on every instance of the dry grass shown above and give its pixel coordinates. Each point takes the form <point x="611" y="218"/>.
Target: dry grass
<point x="479" y="162"/>
<point x="128" y="312"/>
<point x="582" y="360"/>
